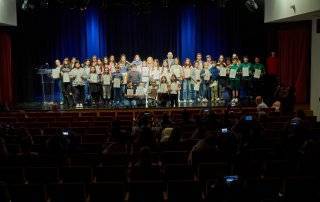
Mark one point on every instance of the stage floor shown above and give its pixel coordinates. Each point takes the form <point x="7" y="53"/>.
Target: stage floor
<point x="39" y="106"/>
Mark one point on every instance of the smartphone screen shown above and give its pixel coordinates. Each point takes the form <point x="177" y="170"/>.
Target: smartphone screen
<point x="248" y="118"/>
<point x="65" y="133"/>
<point x="231" y="179"/>
<point x="224" y="130"/>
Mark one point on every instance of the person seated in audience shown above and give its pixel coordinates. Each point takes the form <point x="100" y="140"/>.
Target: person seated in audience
<point x="58" y="144"/>
<point x="276" y="106"/>
<point x="26" y="154"/>
<point x="3" y="149"/>
<point x="261" y="106"/>
<point x="247" y="131"/>
<point x="4" y="192"/>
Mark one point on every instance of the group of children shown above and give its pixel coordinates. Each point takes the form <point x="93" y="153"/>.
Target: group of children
<point x="112" y="83"/>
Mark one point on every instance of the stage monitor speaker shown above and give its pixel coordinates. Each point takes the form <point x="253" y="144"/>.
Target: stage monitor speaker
<point x="318" y="26"/>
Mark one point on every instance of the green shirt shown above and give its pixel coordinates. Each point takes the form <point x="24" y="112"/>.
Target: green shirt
<point x="258" y="66"/>
<point x="249" y="66"/>
<point x="235" y="67"/>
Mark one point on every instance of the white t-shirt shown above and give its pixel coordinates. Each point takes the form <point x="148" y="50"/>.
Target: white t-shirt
<point x="187" y="73"/>
<point x="77" y="75"/>
<point x="174" y="87"/>
<point x="106" y="79"/>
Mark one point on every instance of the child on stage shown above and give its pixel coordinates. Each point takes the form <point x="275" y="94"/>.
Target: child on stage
<point x="117" y="80"/>
<point x="174" y="88"/>
<point x="258" y="73"/>
<point x="186" y="75"/>
<point x="94" y="80"/>
<point x="106" y="79"/>
<point x="78" y="76"/>
<point x="205" y="76"/>
<point x="246" y="70"/>
<point x="163" y="91"/>
<point x="66" y="83"/>
<point x="214" y="82"/>
<point x="234" y="78"/>
<point x="196" y="81"/>
<point x="57" y="82"/>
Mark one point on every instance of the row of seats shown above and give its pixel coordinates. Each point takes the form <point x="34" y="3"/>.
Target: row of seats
<point x="253" y="190"/>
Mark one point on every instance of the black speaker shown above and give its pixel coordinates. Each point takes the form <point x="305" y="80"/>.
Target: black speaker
<point x="318" y="26"/>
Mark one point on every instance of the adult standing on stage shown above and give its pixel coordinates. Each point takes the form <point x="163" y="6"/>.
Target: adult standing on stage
<point x="170" y="59"/>
<point x="273" y="64"/>
<point x="66" y="83"/>
<point x="57" y="82"/>
<point x="199" y="60"/>
<point x="77" y="75"/>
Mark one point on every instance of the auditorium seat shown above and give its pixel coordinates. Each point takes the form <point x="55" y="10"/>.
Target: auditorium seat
<point x="107" y="191"/>
<point x="41" y="174"/>
<point x="27" y="193"/>
<point x="216" y="170"/>
<point x="302" y="189"/>
<point x="174" y="157"/>
<point x="146" y="191"/>
<point x="79" y="174"/>
<point x="266" y="189"/>
<point x="179" y="172"/>
<point x="114" y="159"/>
<point x="12" y="175"/>
<point x="137" y="173"/>
<point x="181" y="191"/>
<point x="110" y="173"/>
<point x="66" y="192"/>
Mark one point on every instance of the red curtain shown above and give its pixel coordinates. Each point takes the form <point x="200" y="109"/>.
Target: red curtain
<point x="5" y="69"/>
<point x="294" y="56"/>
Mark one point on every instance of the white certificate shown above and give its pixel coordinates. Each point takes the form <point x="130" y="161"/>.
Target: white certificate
<point x="66" y="77"/>
<point x="245" y="71"/>
<point x="116" y="83"/>
<point x="257" y="73"/>
<point x="233" y="73"/>
<point x="223" y="71"/>
<point x="106" y="80"/>
<point x="55" y="73"/>
<point x="129" y="92"/>
<point x="140" y="91"/>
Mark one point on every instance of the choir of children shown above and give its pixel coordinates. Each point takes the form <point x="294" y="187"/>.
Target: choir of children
<point x="110" y="83"/>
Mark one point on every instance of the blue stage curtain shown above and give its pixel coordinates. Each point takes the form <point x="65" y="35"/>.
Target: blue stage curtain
<point x="188" y="32"/>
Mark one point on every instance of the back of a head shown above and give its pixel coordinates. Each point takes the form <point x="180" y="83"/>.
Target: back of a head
<point x="259" y="100"/>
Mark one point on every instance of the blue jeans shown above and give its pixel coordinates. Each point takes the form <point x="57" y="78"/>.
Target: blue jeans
<point x="87" y="95"/>
<point x="58" y="95"/>
<point x="117" y="94"/>
<point x="205" y="90"/>
<point x="186" y="89"/>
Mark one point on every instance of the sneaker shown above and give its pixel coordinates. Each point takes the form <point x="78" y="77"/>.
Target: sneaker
<point x="81" y="105"/>
<point x="61" y="103"/>
<point x="184" y="101"/>
<point x="77" y="105"/>
<point x="190" y="101"/>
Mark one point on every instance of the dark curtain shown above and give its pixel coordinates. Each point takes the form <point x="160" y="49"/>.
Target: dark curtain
<point x="294" y="54"/>
<point x="5" y="69"/>
<point x="44" y="35"/>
